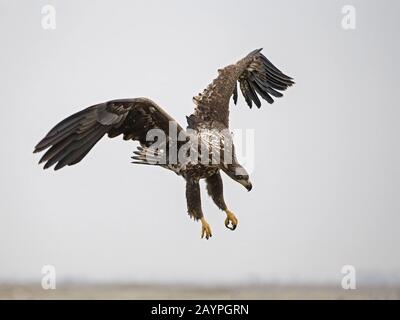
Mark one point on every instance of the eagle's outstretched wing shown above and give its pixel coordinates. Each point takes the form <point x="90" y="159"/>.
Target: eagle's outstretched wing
<point x="256" y="76"/>
<point x="71" y="139"/>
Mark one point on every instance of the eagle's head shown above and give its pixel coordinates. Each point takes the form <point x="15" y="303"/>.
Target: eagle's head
<point x="239" y="174"/>
<point x="245" y="182"/>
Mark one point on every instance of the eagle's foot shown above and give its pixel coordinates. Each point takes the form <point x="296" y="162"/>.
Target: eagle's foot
<point x="230" y="218"/>
<point x="205" y="229"/>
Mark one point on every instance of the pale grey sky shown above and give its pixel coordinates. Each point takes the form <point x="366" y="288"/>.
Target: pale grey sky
<point x="326" y="177"/>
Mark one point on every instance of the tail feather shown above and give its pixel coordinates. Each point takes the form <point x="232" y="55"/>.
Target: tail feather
<point x="145" y="155"/>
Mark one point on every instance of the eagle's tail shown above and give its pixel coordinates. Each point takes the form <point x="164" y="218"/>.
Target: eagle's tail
<point x="148" y="156"/>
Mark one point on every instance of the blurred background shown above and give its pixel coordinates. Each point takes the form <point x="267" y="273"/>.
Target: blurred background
<point x="325" y="179"/>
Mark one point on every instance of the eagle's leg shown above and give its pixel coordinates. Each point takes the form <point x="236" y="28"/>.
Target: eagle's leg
<point x="230" y="218"/>
<point x="194" y="206"/>
<point x="205" y="229"/>
<point x="215" y="190"/>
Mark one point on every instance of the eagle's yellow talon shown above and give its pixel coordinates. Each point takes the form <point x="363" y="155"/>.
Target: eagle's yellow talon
<point x="230" y="218"/>
<point x="205" y="229"/>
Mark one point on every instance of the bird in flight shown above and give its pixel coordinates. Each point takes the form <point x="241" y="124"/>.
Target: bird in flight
<point x="199" y="152"/>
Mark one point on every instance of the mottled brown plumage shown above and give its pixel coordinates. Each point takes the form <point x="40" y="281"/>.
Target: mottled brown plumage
<point x="71" y="139"/>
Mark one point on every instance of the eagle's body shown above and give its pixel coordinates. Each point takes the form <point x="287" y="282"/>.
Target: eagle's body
<point x="207" y="137"/>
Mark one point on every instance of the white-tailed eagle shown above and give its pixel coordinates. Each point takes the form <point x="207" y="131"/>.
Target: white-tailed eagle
<point x="71" y="139"/>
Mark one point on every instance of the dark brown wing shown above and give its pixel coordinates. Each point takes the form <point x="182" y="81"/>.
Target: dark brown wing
<point x="256" y="76"/>
<point x="71" y="139"/>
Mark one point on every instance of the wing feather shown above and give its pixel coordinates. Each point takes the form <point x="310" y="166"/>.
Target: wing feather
<point x="71" y="139"/>
<point x="256" y="76"/>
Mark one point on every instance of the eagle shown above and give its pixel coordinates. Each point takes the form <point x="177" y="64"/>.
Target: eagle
<point x="206" y="138"/>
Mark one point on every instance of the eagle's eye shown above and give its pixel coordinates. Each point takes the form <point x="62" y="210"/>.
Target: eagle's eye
<point x="242" y="177"/>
